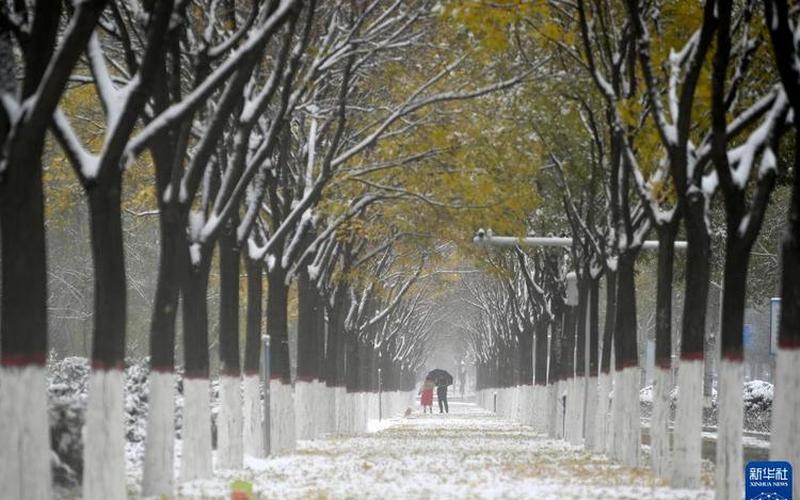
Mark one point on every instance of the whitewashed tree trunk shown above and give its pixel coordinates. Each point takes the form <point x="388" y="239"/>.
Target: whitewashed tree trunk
<point x="529" y="405"/>
<point x="341" y="410"/>
<point x="785" y="438"/>
<point x="577" y="395"/>
<point x="196" y="430"/>
<point x="563" y="407"/>
<point x="282" y="417"/>
<point x="306" y="404"/>
<point x="615" y="450"/>
<point x="659" y="424"/>
<point x="631" y="421"/>
<point x="729" y="464"/>
<point x="552" y="409"/>
<point x="602" y="421"/>
<point x="253" y="430"/>
<point x="330" y="408"/>
<point x="158" y="477"/>
<point x="104" y="437"/>
<point x="25" y="434"/>
<point x="230" y="447"/>
<point x="687" y="436"/>
<point x="590" y="413"/>
<point x="567" y="424"/>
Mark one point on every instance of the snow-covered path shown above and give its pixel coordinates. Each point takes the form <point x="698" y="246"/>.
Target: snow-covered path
<point x="469" y="453"/>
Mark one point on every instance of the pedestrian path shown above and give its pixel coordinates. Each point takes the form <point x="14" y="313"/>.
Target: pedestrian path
<point x="468" y="453"/>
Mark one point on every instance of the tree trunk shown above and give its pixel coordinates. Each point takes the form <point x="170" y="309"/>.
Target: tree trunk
<point x="230" y="425"/>
<point x="255" y="298"/>
<point x="351" y="361"/>
<point x="688" y="425"/>
<point x="540" y="336"/>
<point x="627" y="394"/>
<point x="310" y="328"/>
<point x="25" y="440"/>
<point x="786" y="414"/>
<point x="611" y="315"/>
<point x="526" y="355"/>
<point x="592" y="387"/>
<point x="253" y="430"/>
<point x="662" y="386"/>
<point x="229" y="266"/>
<point x="277" y="324"/>
<point x="580" y="325"/>
<point x="310" y="341"/>
<point x="104" y="444"/>
<point x="196" y="432"/>
<point x="282" y="414"/>
<point x="594" y="326"/>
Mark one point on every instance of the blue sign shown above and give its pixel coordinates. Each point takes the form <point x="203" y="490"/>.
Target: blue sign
<point x="748" y="335"/>
<point x="768" y="481"/>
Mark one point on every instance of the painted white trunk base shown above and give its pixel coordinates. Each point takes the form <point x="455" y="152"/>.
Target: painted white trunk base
<point x="25" y="436"/>
<point x="575" y="400"/>
<point x="372" y="402"/>
<point x="614" y="448"/>
<point x="329" y="421"/>
<point x="660" y="454"/>
<point x="687" y="437"/>
<point x="361" y="419"/>
<point x="526" y="405"/>
<point x="196" y="430"/>
<point x="562" y="402"/>
<point x="104" y="437"/>
<point x="230" y="448"/>
<point x="785" y="437"/>
<point x="282" y="417"/>
<point x="340" y="414"/>
<point x="253" y="430"/>
<point x="306" y="404"/>
<point x="602" y="421"/>
<point x="553" y="404"/>
<point x="729" y="466"/>
<point x="159" y="454"/>
<point x="590" y="413"/>
<point x="631" y="422"/>
<point x="539" y="408"/>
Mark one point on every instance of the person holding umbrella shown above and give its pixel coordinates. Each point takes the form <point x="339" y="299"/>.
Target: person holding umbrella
<point x="441" y="379"/>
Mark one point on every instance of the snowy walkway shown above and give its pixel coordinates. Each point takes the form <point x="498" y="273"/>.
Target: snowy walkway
<point x="467" y="454"/>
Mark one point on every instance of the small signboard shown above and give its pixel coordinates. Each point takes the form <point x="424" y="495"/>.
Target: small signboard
<point x="774" y="322"/>
<point x="747" y="333"/>
<point x="768" y="480"/>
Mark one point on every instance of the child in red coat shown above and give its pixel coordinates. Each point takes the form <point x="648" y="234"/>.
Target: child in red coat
<point x="426" y="396"/>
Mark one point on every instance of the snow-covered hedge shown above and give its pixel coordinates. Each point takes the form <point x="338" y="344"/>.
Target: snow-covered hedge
<point x="68" y="385"/>
<point x="757" y="395"/>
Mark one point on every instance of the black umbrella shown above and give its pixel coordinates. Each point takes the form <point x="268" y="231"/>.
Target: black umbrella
<point x="440" y="377"/>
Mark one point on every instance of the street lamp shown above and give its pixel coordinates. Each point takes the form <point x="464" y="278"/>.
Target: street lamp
<point x="488" y="238"/>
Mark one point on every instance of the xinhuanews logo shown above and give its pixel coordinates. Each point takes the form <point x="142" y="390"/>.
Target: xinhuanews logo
<point x="771" y="480"/>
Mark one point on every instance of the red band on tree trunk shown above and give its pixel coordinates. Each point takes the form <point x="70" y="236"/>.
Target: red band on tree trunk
<point x="38" y="359"/>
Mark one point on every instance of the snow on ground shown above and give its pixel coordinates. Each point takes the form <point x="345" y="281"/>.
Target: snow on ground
<point x="469" y="453"/>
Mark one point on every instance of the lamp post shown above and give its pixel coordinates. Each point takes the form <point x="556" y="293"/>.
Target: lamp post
<point x="488" y="238"/>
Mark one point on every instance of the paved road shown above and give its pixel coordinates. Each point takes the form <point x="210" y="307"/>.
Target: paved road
<point x="466" y="454"/>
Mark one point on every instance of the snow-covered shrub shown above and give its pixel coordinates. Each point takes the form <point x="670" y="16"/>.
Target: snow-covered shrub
<point x="67" y="390"/>
<point x="758" y="396"/>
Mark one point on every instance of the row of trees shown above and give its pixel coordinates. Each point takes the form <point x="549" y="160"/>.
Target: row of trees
<point x="677" y="103"/>
<point x="271" y="131"/>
